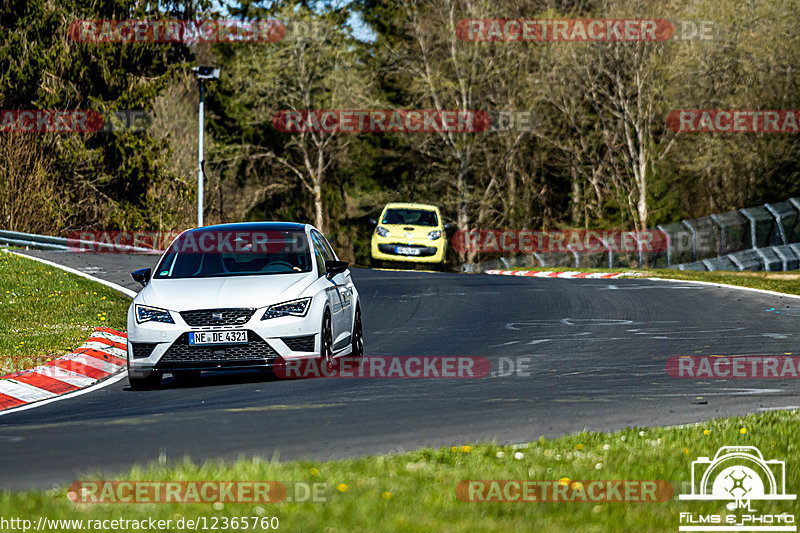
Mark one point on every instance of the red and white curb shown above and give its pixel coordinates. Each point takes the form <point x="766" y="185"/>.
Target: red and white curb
<point x="561" y="275"/>
<point x="102" y="355"/>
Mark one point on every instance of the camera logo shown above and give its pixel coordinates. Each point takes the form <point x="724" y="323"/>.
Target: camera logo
<point x="739" y="475"/>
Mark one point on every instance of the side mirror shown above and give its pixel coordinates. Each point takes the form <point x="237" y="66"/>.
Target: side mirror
<point x="335" y="267"/>
<point x="142" y="275"/>
<point x="373" y="222"/>
<point x="448" y="226"/>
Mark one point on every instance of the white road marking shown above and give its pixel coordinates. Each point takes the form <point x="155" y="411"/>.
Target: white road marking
<point x="105" y="383"/>
<point x="93" y="362"/>
<point x="98" y="385"/>
<point x="110" y="336"/>
<point x="23" y="391"/>
<point x="73" y="378"/>
<point x="99" y="346"/>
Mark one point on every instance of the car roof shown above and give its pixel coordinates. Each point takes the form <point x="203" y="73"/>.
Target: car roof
<point x="254" y="226"/>
<point x="410" y="205"/>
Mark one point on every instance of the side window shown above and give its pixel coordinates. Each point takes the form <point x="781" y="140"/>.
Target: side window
<point x="327" y="247"/>
<point x="319" y="252"/>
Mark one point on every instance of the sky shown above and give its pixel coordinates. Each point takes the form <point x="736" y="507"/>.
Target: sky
<point x="360" y="30"/>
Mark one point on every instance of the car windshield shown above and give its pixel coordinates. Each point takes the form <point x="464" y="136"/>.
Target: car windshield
<point x="414" y="217"/>
<point x="215" y="253"/>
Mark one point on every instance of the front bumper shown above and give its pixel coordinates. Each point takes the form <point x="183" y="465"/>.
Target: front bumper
<point x="156" y="346"/>
<point x="384" y="249"/>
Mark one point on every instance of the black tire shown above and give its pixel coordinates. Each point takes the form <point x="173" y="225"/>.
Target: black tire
<point x="358" y="335"/>
<point x="150" y="382"/>
<point x="326" y="342"/>
<point x="187" y="377"/>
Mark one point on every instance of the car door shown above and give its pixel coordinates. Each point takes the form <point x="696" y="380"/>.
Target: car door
<point x="344" y="284"/>
<point x="333" y="290"/>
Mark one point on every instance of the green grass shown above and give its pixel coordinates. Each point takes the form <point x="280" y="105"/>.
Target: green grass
<point x="788" y="282"/>
<point x="416" y="491"/>
<point x="46" y="312"/>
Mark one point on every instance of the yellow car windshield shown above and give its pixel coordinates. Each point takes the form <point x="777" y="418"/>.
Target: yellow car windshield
<point x="411" y="217"/>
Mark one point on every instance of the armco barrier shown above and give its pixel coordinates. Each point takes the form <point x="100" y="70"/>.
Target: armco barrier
<point x="734" y="232"/>
<point x="680" y="243"/>
<point x="789" y="258"/>
<point x="763" y="227"/>
<point x="787" y="218"/>
<point x="48" y="242"/>
<point x="694" y="265"/>
<point x="747" y="260"/>
<point x="771" y="260"/>
<point x="720" y="263"/>
<point x="706" y="237"/>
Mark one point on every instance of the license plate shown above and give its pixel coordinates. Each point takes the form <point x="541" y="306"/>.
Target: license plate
<point x="405" y="250"/>
<point x="217" y="337"/>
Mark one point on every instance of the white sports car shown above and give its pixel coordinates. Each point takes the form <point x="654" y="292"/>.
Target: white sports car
<point x="247" y="295"/>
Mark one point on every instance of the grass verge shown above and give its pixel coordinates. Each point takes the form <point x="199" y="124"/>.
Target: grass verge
<point x="788" y="282"/>
<point x="46" y="312"/>
<point x="416" y="491"/>
<point x="413" y="491"/>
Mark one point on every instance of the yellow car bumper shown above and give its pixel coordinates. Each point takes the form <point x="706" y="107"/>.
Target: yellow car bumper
<point x="394" y="249"/>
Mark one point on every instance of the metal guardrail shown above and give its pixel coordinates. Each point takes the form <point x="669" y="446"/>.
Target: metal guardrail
<point x="754" y="238"/>
<point x="62" y="244"/>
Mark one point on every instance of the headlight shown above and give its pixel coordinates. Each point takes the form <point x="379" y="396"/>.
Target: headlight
<point x="383" y="232"/>
<point x="435" y="235"/>
<point x="147" y="314"/>
<point x="293" y="308"/>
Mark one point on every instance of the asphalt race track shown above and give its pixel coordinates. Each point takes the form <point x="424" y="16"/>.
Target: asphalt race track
<point x="596" y="353"/>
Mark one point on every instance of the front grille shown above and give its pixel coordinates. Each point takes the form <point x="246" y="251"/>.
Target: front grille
<point x="300" y="344"/>
<point x="255" y="351"/>
<point x="217" y="317"/>
<point x="142" y="349"/>
<point x="424" y="251"/>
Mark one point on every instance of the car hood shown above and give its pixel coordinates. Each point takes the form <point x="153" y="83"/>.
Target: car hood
<point x="223" y="292"/>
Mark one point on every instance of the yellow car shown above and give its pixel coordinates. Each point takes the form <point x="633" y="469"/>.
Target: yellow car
<point x="409" y="233"/>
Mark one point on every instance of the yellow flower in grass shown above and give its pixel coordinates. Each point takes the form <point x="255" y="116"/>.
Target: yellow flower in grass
<point x="466" y="449"/>
<point x="706" y="432"/>
<point x="564" y="481"/>
<point x="743" y="431"/>
<point x="342" y="487"/>
<point x="313" y="471"/>
<point x="453" y="448"/>
<point x="386" y="495"/>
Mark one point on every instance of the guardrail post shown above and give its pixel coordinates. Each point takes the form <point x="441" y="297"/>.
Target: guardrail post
<point x="694" y="239"/>
<point x="778" y="217"/>
<point x="669" y="245"/>
<point x="722" y="238"/>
